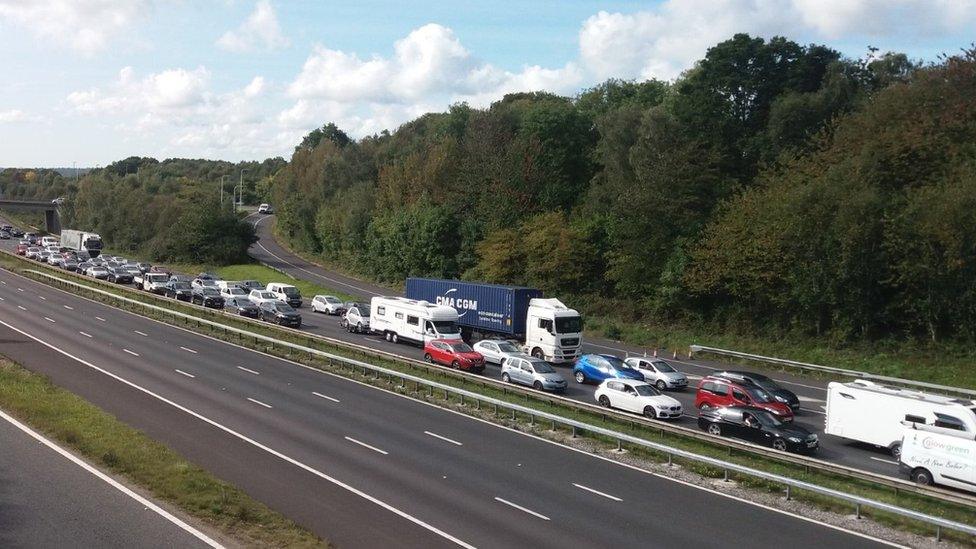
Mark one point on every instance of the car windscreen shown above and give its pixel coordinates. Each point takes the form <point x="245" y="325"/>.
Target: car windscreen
<point x="647" y="391"/>
<point x="445" y="326"/>
<point x="332" y="300"/>
<point x="291" y="291"/>
<point x="664" y="367"/>
<point x="209" y="292"/>
<point x="542" y="367"/>
<point x="181" y="286"/>
<point x="569" y="325"/>
<point x="267" y="295"/>
<point x="759" y="395"/>
<point x="507" y="347"/>
<point x="283" y="308"/>
<point x="461" y="348"/>
<point x="616" y="363"/>
<point x="767" y="419"/>
<point x="363" y="311"/>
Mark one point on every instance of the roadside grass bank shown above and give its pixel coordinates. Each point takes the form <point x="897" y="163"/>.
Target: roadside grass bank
<point x="953" y="511"/>
<point x="111" y="445"/>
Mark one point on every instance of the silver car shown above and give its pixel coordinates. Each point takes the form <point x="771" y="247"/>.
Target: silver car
<point x="658" y="372"/>
<point x="531" y="371"/>
<point x="495" y="351"/>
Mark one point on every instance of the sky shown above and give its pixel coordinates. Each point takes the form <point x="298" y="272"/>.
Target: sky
<point x="87" y="82"/>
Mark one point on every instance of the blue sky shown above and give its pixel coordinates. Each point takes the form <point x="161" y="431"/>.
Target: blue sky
<point x="88" y="81"/>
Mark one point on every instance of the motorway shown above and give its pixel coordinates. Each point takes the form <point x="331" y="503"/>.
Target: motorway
<point x="359" y="465"/>
<point x="46" y="500"/>
<point x="812" y="392"/>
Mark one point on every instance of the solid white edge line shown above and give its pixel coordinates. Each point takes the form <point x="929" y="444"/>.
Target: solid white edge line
<point x="84" y="334"/>
<point x="520" y="508"/>
<point x="188" y="350"/>
<point x="259" y="403"/>
<point x="133" y="353"/>
<point x="143" y="334"/>
<point x="597" y="492"/>
<point x="364" y="445"/>
<point x="435" y="406"/>
<point x="253" y="442"/>
<point x="445" y="439"/>
<point x="49" y="319"/>
<point x="111" y="482"/>
<point x="320" y="395"/>
<point x="181" y="372"/>
<point x="248" y="370"/>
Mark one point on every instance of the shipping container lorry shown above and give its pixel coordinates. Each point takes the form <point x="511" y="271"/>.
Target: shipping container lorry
<point x="82" y="241"/>
<point x="546" y="328"/>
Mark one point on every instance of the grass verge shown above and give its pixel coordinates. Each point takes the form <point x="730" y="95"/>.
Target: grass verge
<point x="924" y="504"/>
<point x="114" y="446"/>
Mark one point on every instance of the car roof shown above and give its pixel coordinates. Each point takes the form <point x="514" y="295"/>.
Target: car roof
<point x="631" y="382"/>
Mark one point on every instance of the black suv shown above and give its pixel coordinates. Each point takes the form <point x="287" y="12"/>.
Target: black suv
<point x="779" y="393"/>
<point x="280" y="313"/>
<point x="759" y="427"/>
<point x="208" y="297"/>
<point x="119" y="275"/>
<point x="178" y="289"/>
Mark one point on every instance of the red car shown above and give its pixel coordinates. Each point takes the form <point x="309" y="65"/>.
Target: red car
<point x="454" y="353"/>
<point x="21" y="249"/>
<point x="714" y="392"/>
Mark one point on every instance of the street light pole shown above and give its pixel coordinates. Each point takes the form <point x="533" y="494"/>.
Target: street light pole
<point x="241" y="184"/>
<point x="222" y="188"/>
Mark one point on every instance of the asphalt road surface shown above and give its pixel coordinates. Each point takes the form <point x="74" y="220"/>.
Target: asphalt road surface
<point x="361" y="466"/>
<point x="48" y="500"/>
<point x="812" y="392"/>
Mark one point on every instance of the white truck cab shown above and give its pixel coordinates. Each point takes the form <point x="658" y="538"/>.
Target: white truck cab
<point x="399" y="318"/>
<point x="939" y="455"/>
<point x="553" y="331"/>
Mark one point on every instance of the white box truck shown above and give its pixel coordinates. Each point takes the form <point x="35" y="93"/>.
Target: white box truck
<point x="937" y="455"/>
<point x="82" y="241"/>
<point x="869" y="412"/>
<point x="402" y="319"/>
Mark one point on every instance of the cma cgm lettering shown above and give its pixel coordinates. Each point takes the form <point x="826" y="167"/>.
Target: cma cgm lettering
<point x="457" y="303"/>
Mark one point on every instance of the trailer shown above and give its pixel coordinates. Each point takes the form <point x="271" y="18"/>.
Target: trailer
<point x="546" y="328"/>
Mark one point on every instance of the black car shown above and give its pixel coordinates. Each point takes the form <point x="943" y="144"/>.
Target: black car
<point x="779" y="393"/>
<point x="759" y="427"/>
<point x="16" y="232"/>
<point x="241" y="306"/>
<point x="280" y="313"/>
<point x="119" y="275"/>
<point x="178" y="289"/>
<point x="208" y="297"/>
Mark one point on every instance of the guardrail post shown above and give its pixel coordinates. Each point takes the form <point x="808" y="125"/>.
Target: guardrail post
<point x="857" y="510"/>
<point x="938" y="533"/>
<point x="726" y="476"/>
<point x="670" y="460"/>
<point x="462" y="399"/>
<point x="788" y="493"/>
<point x="620" y="446"/>
<point x="574" y="431"/>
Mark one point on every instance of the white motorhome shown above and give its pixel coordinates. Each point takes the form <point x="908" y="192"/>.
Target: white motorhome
<point x="865" y="411"/>
<point x="938" y="455"/>
<point x="399" y="318"/>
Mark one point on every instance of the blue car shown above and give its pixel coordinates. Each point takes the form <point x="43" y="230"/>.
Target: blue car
<point x="596" y="368"/>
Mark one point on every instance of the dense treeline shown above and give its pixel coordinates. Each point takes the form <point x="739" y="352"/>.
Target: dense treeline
<point x="166" y="210"/>
<point x="774" y="185"/>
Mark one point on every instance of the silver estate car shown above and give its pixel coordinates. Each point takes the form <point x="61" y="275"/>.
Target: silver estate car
<point x="527" y="370"/>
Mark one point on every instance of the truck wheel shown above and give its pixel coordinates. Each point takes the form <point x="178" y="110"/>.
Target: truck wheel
<point x="895" y="450"/>
<point x="394" y="337"/>
<point x="386" y="335"/>
<point x="922" y="476"/>
<point x="537" y="353"/>
<point x="505" y="378"/>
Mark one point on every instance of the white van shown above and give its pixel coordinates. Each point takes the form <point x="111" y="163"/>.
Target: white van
<point x="286" y="293"/>
<point x="936" y="455"/>
<point x="410" y="320"/>
<point x="50" y="241"/>
<point x="869" y="412"/>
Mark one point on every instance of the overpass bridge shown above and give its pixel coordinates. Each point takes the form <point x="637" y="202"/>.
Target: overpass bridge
<point x="52" y="218"/>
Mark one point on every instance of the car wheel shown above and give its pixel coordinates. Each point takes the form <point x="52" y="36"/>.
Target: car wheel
<point x="359" y="328"/>
<point x="455" y="365"/>
<point x="427" y="358"/>
<point x="779" y="444"/>
<point x="714" y="429"/>
<point x="895" y="450"/>
<point x="506" y="378"/>
<point x="705" y="406"/>
<point x="604" y="401"/>
<point x="580" y="378"/>
<point x="922" y="476"/>
<point x="661" y="385"/>
<point x="537" y="385"/>
<point x="537" y="353"/>
<point x="649" y="412"/>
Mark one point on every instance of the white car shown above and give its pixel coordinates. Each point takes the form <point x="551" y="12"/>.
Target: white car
<point x="258" y="297"/>
<point x="327" y="304"/>
<point x="356" y="319"/>
<point x="250" y="285"/>
<point x="233" y="291"/>
<point x="658" y="372"/>
<point x="638" y="397"/>
<point x="265" y="209"/>
<point x="496" y="350"/>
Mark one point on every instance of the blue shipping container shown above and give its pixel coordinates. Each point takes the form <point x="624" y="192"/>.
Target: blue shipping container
<point x="483" y="307"/>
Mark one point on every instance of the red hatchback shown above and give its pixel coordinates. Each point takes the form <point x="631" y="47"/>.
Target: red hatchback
<point x="454" y="353"/>
<point x="21" y="249"/>
<point x="715" y="392"/>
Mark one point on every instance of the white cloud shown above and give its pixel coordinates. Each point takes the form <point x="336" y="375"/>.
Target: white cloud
<point x="260" y="30"/>
<point x="168" y="93"/>
<point x="12" y="115"/>
<point x="86" y="26"/>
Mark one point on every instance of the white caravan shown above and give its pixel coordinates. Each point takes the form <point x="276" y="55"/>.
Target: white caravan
<point x="937" y="455"/>
<point x="399" y="318"/>
<point x="869" y="412"/>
